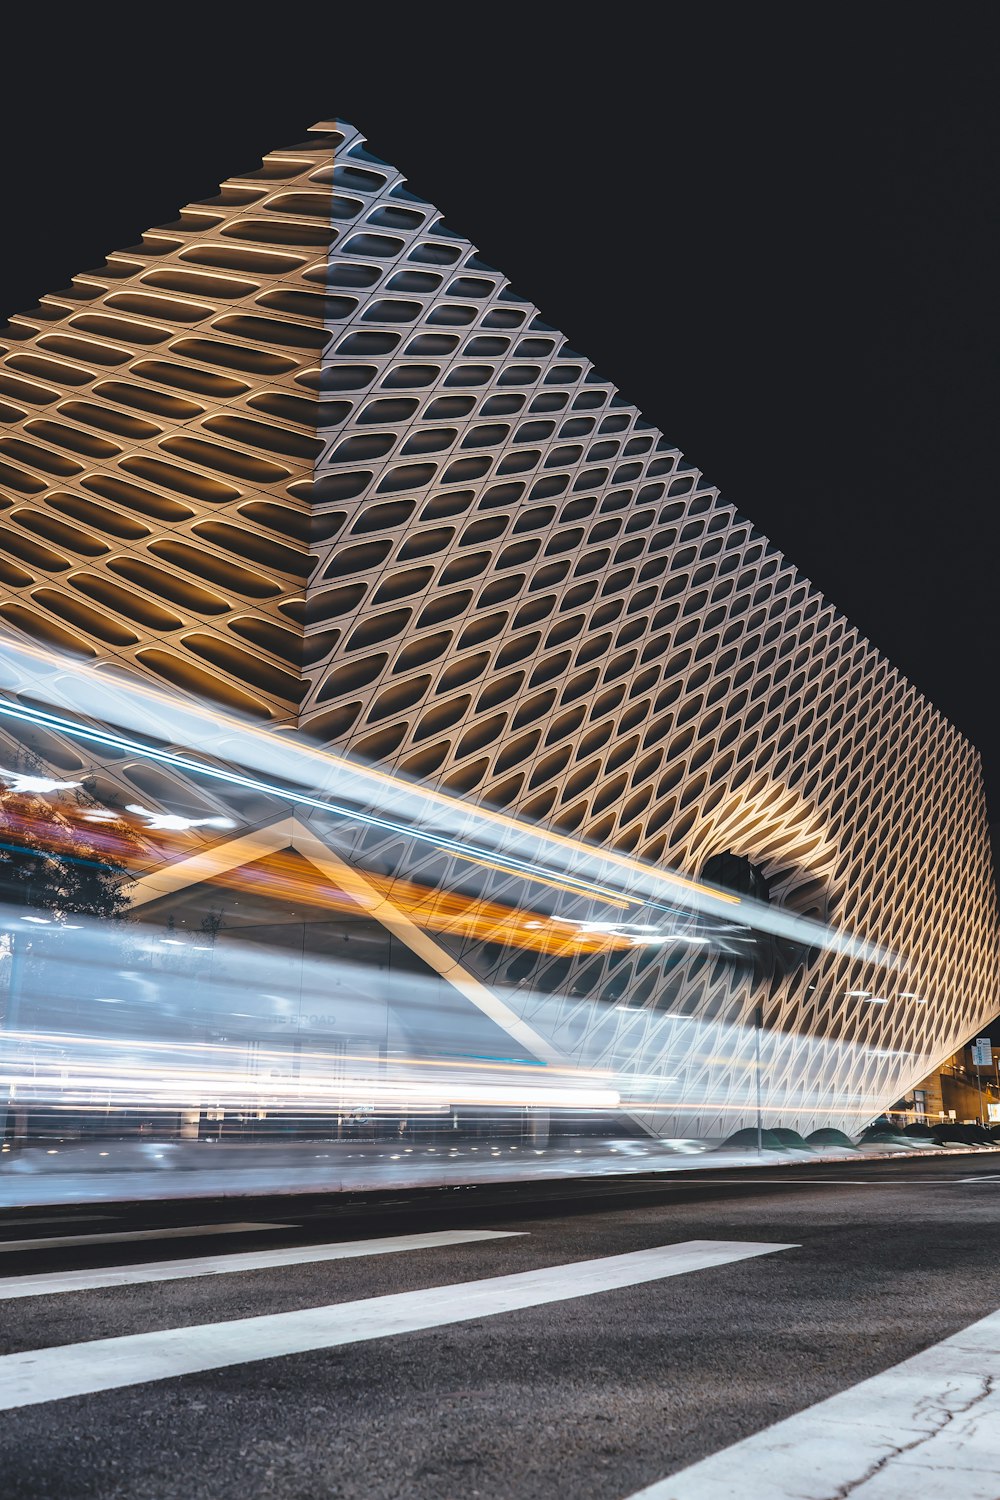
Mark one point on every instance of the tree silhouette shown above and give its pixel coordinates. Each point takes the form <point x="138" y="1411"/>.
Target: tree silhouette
<point x="63" y="855"/>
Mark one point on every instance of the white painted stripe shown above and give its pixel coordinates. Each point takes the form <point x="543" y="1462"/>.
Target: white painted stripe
<point x="928" y="1426"/>
<point x="108" y="1364"/>
<point x="47" y="1285"/>
<point x="7" y="1222"/>
<point x="836" y="1182"/>
<point x="179" y="1232"/>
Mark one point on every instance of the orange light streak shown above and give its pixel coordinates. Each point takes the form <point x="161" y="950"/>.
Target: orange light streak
<point x="328" y="762"/>
<point x="287" y="877"/>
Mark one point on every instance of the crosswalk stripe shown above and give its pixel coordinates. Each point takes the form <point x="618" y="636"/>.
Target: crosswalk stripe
<point x="181" y="1231"/>
<point x="47" y="1285"/>
<point x="838" y="1182"/>
<point x="41" y="1375"/>
<point x="18" y="1223"/>
<point x="930" y="1425"/>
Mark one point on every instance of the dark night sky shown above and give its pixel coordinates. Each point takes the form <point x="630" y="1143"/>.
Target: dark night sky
<point x="776" y="234"/>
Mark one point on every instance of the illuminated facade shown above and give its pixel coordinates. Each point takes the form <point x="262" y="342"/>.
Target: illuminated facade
<point x="305" y="455"/>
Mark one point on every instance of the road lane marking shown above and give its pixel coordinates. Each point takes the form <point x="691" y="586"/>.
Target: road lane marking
<point x="48" y="1284"/>
<point x="178" y="1232"/>
<point x="930" y="1425"/>
<point x="53" y="1374"/>
<point x="17" y="1223"/>
<point x="914" y="1182"/>
<point x="797" y="1182"/>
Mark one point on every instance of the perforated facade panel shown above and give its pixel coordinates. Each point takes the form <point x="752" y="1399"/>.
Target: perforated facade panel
<point x="304" y="453"/>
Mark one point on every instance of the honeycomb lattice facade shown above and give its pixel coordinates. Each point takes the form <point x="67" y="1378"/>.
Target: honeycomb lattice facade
<point x="305" y="454"/>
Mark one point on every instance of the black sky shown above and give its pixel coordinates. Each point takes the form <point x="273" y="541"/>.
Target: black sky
<point x="777" y="234"/>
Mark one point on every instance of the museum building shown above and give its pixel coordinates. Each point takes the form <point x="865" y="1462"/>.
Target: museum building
<point x="303" y="454"/>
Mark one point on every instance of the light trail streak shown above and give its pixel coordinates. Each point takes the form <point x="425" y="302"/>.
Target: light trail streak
<point x="202" y="1049"/>
<point x="203" y="726"/>
<point x="304" y="799"/>
<point x="327" y="762"/>
<point x="96" y="1075"/>
<point x="99" y="1075"/>
<point x="93" y="1075"/>
<point x="435" y="910"/>
<point x="612" y="898"/>
<point x="803" y="1103"/>
<point x="282" y="877"/>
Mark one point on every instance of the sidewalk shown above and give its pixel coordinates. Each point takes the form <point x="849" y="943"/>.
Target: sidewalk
<point x="131" y="1171"/>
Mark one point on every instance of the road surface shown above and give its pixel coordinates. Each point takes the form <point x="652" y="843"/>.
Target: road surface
<point x="815" y="1332"/>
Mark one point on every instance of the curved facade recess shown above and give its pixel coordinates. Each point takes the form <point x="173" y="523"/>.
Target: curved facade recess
<point x="305" y="454"/>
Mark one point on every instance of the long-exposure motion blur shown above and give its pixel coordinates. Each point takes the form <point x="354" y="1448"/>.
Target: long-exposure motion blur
<point x="304" y="970"/>
<point x="404" y="750"/>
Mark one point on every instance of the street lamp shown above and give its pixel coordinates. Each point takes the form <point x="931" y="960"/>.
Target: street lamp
<point x="758" y="1017"/>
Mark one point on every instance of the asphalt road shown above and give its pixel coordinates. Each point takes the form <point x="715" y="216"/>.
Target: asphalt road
<point x="590" y="1397"/>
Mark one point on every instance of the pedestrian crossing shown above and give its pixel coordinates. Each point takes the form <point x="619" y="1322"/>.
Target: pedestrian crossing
<point x="52" y="1283"/>
<point x="129" y="1236"/>
<point x="34" y="1220"/>
<point x="930" y="1424"/>
<point x="43" y="1375"/>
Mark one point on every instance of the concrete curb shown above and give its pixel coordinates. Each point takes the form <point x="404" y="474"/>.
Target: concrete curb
<point x="52" y="1188"/>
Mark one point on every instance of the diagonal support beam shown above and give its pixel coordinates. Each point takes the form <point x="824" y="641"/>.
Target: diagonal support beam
<point x="219" y="859"/>
<point x="382" y="910"/>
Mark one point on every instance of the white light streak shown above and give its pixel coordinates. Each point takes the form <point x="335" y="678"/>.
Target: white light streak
<point x="23" y="784"/>
<point x="174" y="822"/>
<point x="367" y="796"/>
